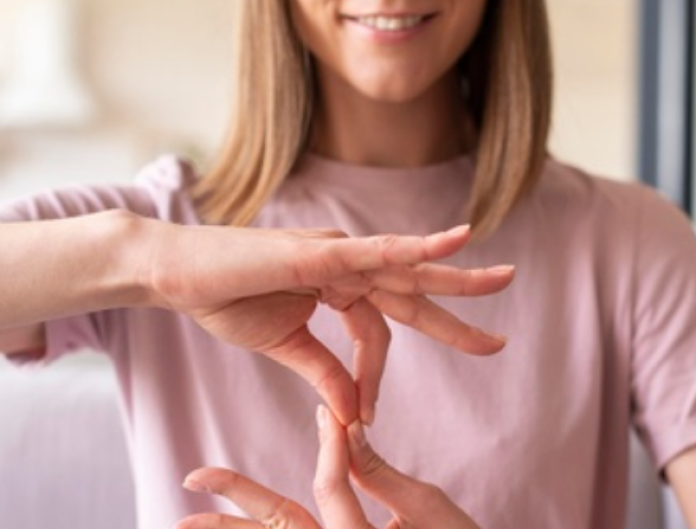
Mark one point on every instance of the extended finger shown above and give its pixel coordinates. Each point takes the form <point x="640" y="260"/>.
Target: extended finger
<point x="308" y="357"/>
<point x="371" y="337"/>
<point x="430" y="319"/>
<point x="339" y="507"/>
<point x="435" y="279"/>
<point x="343" y="256"/>
<point x="265" y="506"/>
<point x="275" y="325"/>
<point x="216" y="521"/>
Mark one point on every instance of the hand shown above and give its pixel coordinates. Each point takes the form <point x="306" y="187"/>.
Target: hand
<point x="414" y="505"/>
<point x="258" y="288"/>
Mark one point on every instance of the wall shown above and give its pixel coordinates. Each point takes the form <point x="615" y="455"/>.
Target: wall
<point x="160" y="72"/>
<point x="595" y="120"/>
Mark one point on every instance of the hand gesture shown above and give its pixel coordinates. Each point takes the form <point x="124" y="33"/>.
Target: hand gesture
<point x="414" y="505"/>
<point x="258" y="288"/>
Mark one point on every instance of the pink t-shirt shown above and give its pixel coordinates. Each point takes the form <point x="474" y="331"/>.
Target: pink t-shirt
<point x="602" y="327"/>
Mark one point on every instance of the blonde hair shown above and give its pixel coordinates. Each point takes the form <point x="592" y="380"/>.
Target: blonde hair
<point x="507" y="70"/>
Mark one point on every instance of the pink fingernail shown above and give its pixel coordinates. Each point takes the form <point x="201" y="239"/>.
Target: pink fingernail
<point x="500" y="337"/>
<point x="356" y="434"/>
<point x="196" y="486"/>
<point x="502" y="269"/>
<point x="460" y="230"/>
<point x="368" y="417"/>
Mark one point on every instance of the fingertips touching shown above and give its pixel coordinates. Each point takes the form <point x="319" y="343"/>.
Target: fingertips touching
<point x="339" y="507"/>
<point x="357" y="440"/>
<point x="328" y="426"/>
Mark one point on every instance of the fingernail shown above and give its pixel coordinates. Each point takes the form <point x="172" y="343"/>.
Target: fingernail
<point x="460" y="230"/>
<point x="368" y="417"/>
<point x="500" y="337"/>
<point x="321" y="417"/>
<point x="356" y="434"/>
<point x="196" y="486"/>
<point x="501" y="269"/>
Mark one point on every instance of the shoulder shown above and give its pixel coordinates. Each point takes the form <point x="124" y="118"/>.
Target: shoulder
<point x="569" y="188"/>
<point x="167" y="181"/>
<point x="159" y="190"/>
<point x="567" y="192"/>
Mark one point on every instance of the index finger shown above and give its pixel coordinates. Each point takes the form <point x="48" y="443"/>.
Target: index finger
<point x="262" y="504"/>
<point x="357" y="254"/>
<point x="371" y="336"/>
<point x="309" y="358"/>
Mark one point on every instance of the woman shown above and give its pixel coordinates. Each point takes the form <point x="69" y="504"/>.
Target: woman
<point x="541" y="432"/>
<point x="406" y="117"/>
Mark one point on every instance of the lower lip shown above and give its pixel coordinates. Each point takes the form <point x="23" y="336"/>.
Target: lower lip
<point x="380" y="35"/>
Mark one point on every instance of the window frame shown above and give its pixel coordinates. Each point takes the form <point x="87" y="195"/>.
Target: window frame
<point x="667" y="110"/>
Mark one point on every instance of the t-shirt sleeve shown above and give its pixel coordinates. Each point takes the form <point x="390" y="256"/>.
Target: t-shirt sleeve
<point x="156" y="192"/>
<point x="664" y="333"/>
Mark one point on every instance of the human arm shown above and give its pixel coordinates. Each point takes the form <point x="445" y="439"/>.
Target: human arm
<point x="251" y="287"/>
<point x="57" y="268"/>
<point x="342" y="454"/>
<point x="681" y="474"/>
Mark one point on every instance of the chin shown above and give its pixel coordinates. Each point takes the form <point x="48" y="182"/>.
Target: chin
<point x="390" y="92"/>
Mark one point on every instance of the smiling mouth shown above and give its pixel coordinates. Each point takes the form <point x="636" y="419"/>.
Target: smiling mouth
<point x="391" y="23"/>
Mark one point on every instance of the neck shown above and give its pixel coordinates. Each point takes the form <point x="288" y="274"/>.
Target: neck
<point x="352" y="128"/>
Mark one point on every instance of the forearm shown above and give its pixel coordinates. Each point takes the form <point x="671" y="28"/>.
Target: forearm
<point x="51" y="269"/>
<point x="681" y="473"/>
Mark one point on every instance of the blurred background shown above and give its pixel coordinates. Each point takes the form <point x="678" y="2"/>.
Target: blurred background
<point x="92" y="90"/>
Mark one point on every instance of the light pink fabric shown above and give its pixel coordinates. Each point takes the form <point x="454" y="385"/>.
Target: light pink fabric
<point x="602" y="327"/>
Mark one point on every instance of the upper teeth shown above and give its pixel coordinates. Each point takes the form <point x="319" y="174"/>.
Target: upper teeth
<point x="383" y="23"/>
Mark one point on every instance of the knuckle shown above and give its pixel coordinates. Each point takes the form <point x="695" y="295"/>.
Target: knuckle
<point x="413" y="313"/>
<point x="329" y="378"/>
<point x="324" y="490"/>
<point x="333" y="233"/>
<point x="372" y="466"/>
<point x="337" y="300"/>
<point x="386" y="241"/>
<point x="282" y="516"/>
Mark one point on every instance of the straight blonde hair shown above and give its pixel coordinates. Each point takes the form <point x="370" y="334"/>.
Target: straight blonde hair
<point x="507" y="71"/>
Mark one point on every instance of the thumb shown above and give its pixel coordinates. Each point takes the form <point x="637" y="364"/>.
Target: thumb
<point x="413" y="502"/>
<point x="339" y="507"/>
<point x="372" y="474"/>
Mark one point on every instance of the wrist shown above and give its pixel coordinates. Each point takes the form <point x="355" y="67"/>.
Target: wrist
<point x="129" y="242"/>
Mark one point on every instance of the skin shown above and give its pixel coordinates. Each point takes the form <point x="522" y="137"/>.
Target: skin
<point x="343" y="455"/>
<point x="260" y="295"/>
<point x="390" y="105"/>
<point x="681" y="473"/>
<point x="393" y="104"/>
